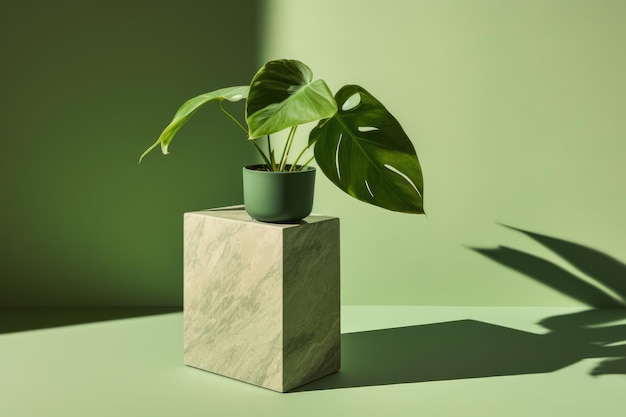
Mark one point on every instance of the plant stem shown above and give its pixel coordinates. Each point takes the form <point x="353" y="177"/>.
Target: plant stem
<point x="308" y="161"/>
<point x="271" y="154"/>
<point x="267" y="162"/>
<point x="295" y="163"/>
<point x="231" y="117"/>
<point x="287" y="148"/>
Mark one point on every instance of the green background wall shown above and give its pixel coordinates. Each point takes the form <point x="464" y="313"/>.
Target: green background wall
<point x="518" y="113"/>
<point x="516" y="108"/>
<point x="86" y="86"/>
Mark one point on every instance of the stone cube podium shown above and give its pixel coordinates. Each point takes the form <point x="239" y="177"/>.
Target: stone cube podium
<point x="261" y="300"/>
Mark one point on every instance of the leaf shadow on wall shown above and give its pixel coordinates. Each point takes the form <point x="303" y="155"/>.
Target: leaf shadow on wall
<point x="604" y="271"/>
<point x="473" y="349"/>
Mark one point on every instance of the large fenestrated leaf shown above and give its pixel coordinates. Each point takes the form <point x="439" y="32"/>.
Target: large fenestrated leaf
<point x="283" y="94"/>
<point x="364" y="151"/>
<point x="188" y="109"/>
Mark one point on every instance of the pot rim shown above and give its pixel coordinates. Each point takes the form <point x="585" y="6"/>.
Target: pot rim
<point x="251" y="168"/>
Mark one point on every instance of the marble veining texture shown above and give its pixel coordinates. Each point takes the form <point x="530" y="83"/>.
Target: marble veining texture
<point x="261" y="300"/>
<point x="311" y="299"/>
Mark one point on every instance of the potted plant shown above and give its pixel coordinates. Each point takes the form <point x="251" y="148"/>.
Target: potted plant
<point x="357" y="143"/>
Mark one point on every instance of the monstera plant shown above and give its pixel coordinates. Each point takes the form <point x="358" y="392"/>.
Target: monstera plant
<point x="357" y="143"/>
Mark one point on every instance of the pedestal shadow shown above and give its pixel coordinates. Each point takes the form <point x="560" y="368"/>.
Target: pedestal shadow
<point x="473" y="349"/>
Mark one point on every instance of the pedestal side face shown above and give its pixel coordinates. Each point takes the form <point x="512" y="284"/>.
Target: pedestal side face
<point x="311" y="313"/>
<point x="233" y="299"/>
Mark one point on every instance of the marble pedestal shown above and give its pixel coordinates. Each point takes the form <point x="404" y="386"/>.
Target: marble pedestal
<point x="261" y="300"/>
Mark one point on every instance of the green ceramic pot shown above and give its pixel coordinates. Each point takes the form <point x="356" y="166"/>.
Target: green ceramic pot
<point x="278" y="197"/>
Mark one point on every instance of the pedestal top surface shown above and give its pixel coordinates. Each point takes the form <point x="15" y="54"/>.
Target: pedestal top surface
<point x="238" y="213"/>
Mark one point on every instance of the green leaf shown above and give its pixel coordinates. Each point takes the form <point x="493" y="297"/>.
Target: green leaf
<point x="282" y="95"/>
<point x="364" y="151"/>
<point x="189" y="108"/>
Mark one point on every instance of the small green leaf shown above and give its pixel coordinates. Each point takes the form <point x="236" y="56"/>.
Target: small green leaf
<point x="282" y="95"/>
<point x="189" y="108"/>
<point x="364" y="151"/>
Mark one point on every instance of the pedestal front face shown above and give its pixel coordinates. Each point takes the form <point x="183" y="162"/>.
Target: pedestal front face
<point x="261" y="300"/>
